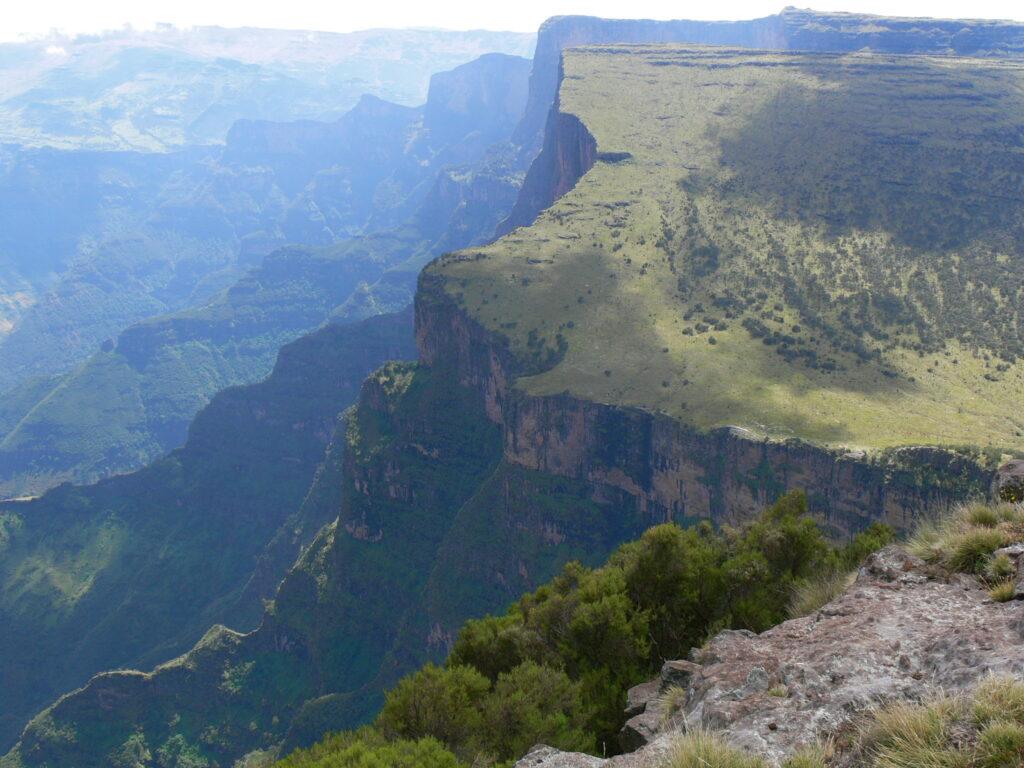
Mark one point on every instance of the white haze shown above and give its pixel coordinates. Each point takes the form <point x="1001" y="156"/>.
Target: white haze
<point x="20" y="20"/>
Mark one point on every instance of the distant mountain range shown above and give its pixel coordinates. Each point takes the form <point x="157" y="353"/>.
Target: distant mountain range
<point x="382" y="185"/>
<point x="167" y="88"/>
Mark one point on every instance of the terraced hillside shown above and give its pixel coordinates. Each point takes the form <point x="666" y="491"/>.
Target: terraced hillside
<point x="815" y="245"/>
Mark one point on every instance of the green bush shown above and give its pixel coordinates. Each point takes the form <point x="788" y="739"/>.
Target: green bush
<point x="556" y="667"/>
<point x="368" y="749"/>
<point x="442" y="703"/>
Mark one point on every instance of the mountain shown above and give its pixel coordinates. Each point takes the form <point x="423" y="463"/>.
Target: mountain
<point x="468" y="479"/>
<point x="142" y="235"/>
<point x="165" y="88"/>
<point x="387" y="183"/>
<point x="133" y="570"/>
<point x="544" y="420"/>
<point x="731" y="257"/>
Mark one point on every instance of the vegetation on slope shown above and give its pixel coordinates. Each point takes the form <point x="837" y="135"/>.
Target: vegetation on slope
<point x="133" y="570"/>
<point x="556" y="667"/>
<point x="825" y="246"/>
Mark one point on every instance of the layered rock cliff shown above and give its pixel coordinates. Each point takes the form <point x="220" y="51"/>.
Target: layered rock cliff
<point x="631" y="459"/>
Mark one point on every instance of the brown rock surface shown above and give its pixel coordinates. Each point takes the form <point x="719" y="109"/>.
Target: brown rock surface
<point x="1008" y="484"/>
<point x="899" y="632"/>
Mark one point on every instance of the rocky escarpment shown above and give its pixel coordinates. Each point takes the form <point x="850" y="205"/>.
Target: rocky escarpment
<point x="899" y="630"/>
<point x="635" y="460"/>
<point x="569" y="152"/>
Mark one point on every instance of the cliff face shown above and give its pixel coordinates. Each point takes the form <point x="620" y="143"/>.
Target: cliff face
<point x="635" y="460"/>
<point x="569" y="152"/>
<point x="131" y="571"/>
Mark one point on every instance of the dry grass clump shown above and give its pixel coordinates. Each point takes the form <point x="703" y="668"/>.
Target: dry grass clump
<point x="701" y="749"/>
<point x="809" y="596"/>
<point x="1004" y="591"/>
<point x="671" y="703"/>
<point x="908" y="735"/>
<point x="998" y="698"/>
<point x="984" y="730"/>
<point x="965" y="541"/>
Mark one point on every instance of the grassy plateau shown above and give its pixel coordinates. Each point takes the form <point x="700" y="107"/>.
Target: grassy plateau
<point x="812" y="245"/>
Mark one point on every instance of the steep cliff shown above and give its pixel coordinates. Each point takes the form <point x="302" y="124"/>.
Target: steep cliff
<point x="133" y="570"/>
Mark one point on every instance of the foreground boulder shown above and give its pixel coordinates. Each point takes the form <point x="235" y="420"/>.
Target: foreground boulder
<point x="900" y="630"/>
<point x="1008" y="484"/>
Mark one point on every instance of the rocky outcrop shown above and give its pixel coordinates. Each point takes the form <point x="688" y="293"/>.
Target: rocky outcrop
<point x="1008" y="484"/>
<point x="899" y="630"/>
<point x="643" y="462"/>
<point x="569" y="152"/>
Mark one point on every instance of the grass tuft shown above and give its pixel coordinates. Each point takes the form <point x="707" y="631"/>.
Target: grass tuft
<point x="817" y="756"/>
<point x="982" y="515"/>
<point x="1001" y="745"/>
<point x="915" y="736"/>
<point x="1004" y="591"/>
<point x="971" y="550"/>
<point x="965" y="540"/>
<point x="999" y="698"/>
<point x="999" y="569"/>
<point x="700" y="749"/>
<point x="809" y="596"/>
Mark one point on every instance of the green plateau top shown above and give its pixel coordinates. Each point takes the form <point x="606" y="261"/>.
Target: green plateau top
<point x="821" y="246"/>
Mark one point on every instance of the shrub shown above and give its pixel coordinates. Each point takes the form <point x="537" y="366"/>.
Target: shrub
<point x="442" y="703"/>
<point x="370" y="750"/>
<point x="531" y="704"/>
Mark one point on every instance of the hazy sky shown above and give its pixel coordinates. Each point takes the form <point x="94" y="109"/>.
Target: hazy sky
<point x="36" y="17"/>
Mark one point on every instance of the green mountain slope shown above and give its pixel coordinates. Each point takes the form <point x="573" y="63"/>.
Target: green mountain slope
<point x="821" y="246"/>
<point x="420" y="496"/>
<point x="134" y="569"/>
